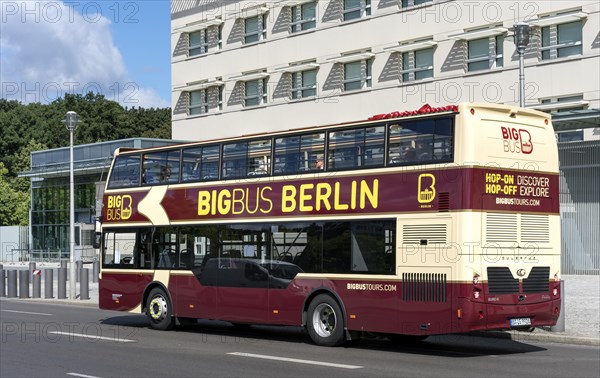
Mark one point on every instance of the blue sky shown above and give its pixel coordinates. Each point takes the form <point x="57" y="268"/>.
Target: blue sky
<point x="118" y="48"/>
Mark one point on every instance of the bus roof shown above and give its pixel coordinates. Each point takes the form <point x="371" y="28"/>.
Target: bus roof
<point x="425" y="111"/>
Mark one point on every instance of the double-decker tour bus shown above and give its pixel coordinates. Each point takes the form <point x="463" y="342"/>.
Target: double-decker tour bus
<point x="408" y="224"/>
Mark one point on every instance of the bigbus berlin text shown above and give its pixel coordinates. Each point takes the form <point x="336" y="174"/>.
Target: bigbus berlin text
<point x="306" y="197"/>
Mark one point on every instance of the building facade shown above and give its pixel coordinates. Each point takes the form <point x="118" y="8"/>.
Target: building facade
<point x="245" y="67"/>
<point x="49" y="212"/>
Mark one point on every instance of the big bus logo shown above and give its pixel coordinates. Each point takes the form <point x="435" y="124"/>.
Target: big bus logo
<point x="426" y="188"/>
<point x="119" y="207"/>
<point x="516" y="141"/>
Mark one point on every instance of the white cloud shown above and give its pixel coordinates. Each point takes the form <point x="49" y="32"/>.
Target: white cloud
<point x="48" y="49"/>
<point x="144" y="98"/>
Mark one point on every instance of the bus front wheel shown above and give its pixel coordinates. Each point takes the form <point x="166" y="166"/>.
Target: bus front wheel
<point x="159" y="311"/>
<point x="325" y="323"/>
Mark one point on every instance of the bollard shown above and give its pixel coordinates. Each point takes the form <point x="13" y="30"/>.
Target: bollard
<point x="37" y="284"/>
<point x="560" y="323"/>
<point x="12" y="283"/>
<point x="31" y="268"/>
<point x="84" y="287"/>
<point x="2" y="283"/>
<point x="48" y="283"/>
<point x="79" y="265"/>
<point x="23" y="284"/>
<point x="95" y="271"/>
<point x="62" y="283"/>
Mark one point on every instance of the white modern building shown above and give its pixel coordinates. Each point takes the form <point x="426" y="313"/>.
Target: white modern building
<point x="242" y="67"/>
<point x="246" y="67"/>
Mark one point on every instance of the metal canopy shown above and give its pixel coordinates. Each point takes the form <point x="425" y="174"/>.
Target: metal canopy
<point x="576" y="119"/>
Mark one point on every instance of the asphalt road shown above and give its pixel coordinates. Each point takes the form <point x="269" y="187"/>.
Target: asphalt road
<point x="44" y="340"/>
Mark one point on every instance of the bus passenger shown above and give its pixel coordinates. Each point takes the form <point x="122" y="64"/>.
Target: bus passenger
<point x="409" y="154"/>
<point x="165" y="173"/>
<point x="319" y="163"/>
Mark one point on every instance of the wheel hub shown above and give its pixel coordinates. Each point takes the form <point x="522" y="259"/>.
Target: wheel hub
<point x="324" y="320"/>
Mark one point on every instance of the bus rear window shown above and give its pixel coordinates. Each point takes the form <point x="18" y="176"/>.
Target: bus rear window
<point x="125" y="172"/>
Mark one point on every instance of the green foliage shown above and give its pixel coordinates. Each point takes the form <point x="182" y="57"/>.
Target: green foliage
<point x="35" y="126"/>
<point x="15" y="204"/>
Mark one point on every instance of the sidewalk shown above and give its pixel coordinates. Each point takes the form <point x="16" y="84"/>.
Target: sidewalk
<point x="581" y="309"/>
<point x="92" y="286"/>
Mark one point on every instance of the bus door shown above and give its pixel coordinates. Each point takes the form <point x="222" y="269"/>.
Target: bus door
<point x="126" y="268"/>
<point x="195" y="274"/>
<point x="242" y="281"/>
<point x="425" y="268"/>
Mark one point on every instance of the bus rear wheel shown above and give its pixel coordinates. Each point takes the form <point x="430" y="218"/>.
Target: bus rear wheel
<point x="325" y="323"/>
<point x="159" y="311"/>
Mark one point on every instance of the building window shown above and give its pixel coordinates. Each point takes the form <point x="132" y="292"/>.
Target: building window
<point x="303" y="17"/>
<point x="562" y="40"/>
<point x="304" y="84"/>
<point x="485" y="53"/>
<point x="220" y="37"/>
<point x="255" y="28"/>
<point x="417" y="65"/>
<point x="354" y="9"/>
<point x="410" y="3"/>
<point x="563" y="104"/>
<point x="357" y="75"/>
<point x="220" y="98"/>
<point x="198" y="102"/>
<point x="255" y="92"/>
<point x="570" y="136"/>
<point x="198" y="42"/>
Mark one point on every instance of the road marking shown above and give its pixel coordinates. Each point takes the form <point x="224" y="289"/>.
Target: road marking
<point x="27" y="312"/>
<point x="92" y="337"/>
<point x="82" y="375"/>
<point x="285" y="359"/>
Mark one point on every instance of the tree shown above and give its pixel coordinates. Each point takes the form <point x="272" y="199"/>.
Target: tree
<point x="35" y="126"/>
<point x="15" y="204"/>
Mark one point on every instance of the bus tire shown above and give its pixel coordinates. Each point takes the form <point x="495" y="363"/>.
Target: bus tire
<point x="325" y="322"/>
<point x="159" y="311"/>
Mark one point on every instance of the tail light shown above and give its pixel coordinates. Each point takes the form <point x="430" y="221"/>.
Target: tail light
<point x="477" y="288"/>
<point x="556" y="284"/>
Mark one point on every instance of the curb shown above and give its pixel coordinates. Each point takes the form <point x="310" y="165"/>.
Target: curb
<point x="540" y="336"/>
<point x="55" y="301"/>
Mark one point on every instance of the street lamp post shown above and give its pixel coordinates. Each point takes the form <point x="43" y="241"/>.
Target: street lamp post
<point x="522" y="32"/>
<point x="71" y="123"/>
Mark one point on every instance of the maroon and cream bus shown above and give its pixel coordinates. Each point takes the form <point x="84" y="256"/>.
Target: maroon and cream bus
<point x="441" y="220"/>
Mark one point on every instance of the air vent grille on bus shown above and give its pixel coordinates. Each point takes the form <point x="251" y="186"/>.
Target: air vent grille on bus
<point x="424" y="287"/>
<point x="501" y="228"/>
<point x="444" y="202"/>
<point x="538" y="280"/>
<point x="517" y="228"/>
<point x="501" y="281"/>
<point x="418" y="233"/>
<point x="535" y="228"/>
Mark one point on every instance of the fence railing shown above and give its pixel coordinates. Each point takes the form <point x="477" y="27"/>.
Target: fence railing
<point x="48" y="255"/>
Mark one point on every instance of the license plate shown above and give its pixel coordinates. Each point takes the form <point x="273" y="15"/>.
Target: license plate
<point x="517" y="322"/>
